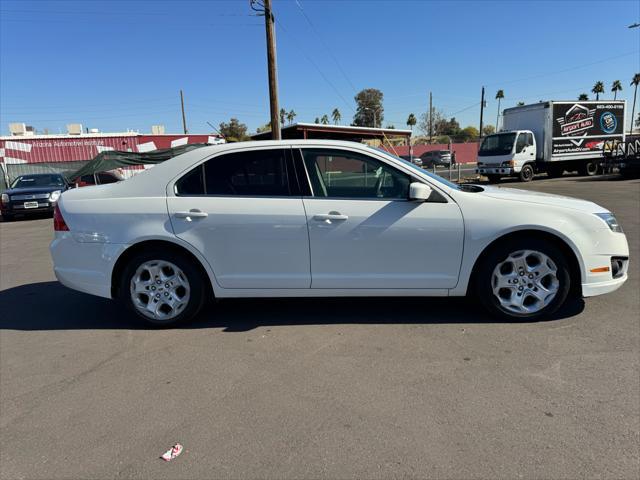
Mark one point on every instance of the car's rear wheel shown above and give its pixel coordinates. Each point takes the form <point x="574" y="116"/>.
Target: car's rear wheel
<point x="162" y="288"/>
<point x="523" y="280"/>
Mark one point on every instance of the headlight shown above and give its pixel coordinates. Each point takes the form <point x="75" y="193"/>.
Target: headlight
<point x="610" y="220"/>
<point x="55" y="196"/>
<point x="5" y="198"/>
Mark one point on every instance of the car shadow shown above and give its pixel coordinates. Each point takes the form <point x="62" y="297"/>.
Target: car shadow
<point x="51" y="306"/>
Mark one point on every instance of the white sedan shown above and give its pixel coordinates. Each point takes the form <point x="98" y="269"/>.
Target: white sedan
<point x="326" y="219"/>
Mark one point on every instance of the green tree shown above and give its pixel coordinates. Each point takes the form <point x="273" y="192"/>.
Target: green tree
<point x="234" y="131"/>
<point x="317" y="120"/>
<point x="283" y="116"/>
<point x="488" y="130"/>
<point x="468" y="133"/>
<point x="634" y="83"/>
<point x="336" y="116"/>
<point x="583" y="96"/>
<point x="324" y="120"/>
<point x="499" y="96"/>
<point x="411" y="121"/>
<point x="369" y="112"/>
<point x="449" y="127"/>
<point x="264" y="128"/>
<point x="520" y="104"/>
<point x="290" y="116"/>
<point x="598" y="88"/>
<point x="616" y="86"/>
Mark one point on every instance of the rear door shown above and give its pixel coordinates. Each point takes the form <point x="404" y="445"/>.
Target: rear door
<point x="243" y="211"/>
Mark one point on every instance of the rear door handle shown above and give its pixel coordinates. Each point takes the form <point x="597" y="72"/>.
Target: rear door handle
<point x="191" y="214"/>
<point x="327" y="217"/>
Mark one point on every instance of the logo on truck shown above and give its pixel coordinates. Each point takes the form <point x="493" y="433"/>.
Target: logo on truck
<point x="608" y="122"/>
<point x="576" y="121"/>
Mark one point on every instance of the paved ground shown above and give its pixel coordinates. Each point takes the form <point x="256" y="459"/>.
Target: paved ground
<point x="317" y="388"/>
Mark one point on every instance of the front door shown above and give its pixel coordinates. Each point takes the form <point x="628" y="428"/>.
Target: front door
<point x="239" y="210"/>
<point x="365" y="233"/>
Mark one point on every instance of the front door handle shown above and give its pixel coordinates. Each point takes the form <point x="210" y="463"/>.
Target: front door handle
<point x="327" y="217"/>
<point x="191" y="214"/>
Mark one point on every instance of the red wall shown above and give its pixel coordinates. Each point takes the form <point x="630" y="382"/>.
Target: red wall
<point x="465" y="152"/>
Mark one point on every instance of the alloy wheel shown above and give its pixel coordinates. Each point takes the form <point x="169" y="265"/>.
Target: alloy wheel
<point x="525" y="282"/>
<point x="159" y="290"/>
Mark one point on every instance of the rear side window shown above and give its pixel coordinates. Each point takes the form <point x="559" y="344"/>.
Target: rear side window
<point x="192" y="183"/>
<point x="252" y="173"/>
<point x="88" y="179"/>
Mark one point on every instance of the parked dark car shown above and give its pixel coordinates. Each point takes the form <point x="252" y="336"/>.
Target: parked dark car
<point x="436" y="158"/>
<point x="32" y="193"/>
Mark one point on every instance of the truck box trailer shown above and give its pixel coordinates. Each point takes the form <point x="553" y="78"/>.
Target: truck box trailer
<point x="551" y="137"/>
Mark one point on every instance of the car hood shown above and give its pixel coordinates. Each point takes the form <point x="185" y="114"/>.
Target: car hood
<point x="28" y="190"/>
<point x="539" y="198"/>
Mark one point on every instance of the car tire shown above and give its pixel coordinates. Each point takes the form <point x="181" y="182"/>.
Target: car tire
<point x="536" y="293"/>
<point x="494" y="178"/>
<point x="589" y="169"/>
<point x="163" y="288"/>
<point x="526" y="174"/>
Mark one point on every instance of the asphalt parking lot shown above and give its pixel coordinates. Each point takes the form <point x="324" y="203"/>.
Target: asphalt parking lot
<point x="360" y="388"/>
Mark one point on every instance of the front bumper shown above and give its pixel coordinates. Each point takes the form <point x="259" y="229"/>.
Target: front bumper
<point x="18" y="208"/>
<point x="495" y="170"/>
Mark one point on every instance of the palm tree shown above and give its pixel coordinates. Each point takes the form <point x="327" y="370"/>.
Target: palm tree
<point x="336" y="116"/>
<point x="411" y="121"/>
<point x="634" y="83"/>
<point x="583" y="96"/>
<point x="499" y="96"/>
<point x="283" y="115"/>
<point x="290" y="116"/>
<point x="616" y="86"/>
<point x="324" y="120"/>
<point x="598" y="88"/>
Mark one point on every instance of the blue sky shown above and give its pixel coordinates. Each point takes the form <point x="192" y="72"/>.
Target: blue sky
<point x="115" y="65"/>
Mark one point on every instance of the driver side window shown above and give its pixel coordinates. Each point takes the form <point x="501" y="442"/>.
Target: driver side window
<point x="343" y="174"/>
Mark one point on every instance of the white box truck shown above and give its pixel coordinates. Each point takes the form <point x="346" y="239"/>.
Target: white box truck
<point x="551" y="137"/>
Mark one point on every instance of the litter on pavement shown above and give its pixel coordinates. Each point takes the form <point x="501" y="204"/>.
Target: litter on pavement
<point x="172" y="453"/>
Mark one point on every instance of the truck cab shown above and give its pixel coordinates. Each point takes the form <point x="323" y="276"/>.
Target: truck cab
<point x="508" y="154"/>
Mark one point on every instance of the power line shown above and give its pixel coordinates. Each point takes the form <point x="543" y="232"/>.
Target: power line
<point x="326" y="47"/>
<point x="324" y="77"/>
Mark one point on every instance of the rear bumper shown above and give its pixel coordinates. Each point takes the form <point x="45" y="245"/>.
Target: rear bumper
<point x="84" y="266"/>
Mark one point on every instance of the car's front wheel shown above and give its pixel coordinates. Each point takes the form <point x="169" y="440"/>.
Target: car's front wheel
<point x="162" y="288"/>
<point x="525" y="280"/>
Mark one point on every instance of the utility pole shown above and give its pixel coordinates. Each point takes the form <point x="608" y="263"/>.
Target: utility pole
<point x="481" y="110"/>
<point x="430" y="117"/>
<point x="184" y="119"/>
<point x="272" y="69"/>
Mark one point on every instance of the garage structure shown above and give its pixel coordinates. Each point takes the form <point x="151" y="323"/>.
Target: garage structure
<point x="304" y="131"/>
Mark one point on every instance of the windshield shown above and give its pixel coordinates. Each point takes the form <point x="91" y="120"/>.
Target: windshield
<point x="28" y="181"/>
<point x="433" y="176"/>
<point x="500" y="144"/>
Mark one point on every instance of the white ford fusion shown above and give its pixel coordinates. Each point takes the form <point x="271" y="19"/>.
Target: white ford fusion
<point x="324" y="219"/>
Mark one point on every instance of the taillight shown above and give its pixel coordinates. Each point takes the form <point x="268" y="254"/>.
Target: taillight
<point x="59" y="225"/>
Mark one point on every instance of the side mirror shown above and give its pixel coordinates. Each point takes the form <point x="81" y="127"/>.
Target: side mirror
<point x="419" y="191"/>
